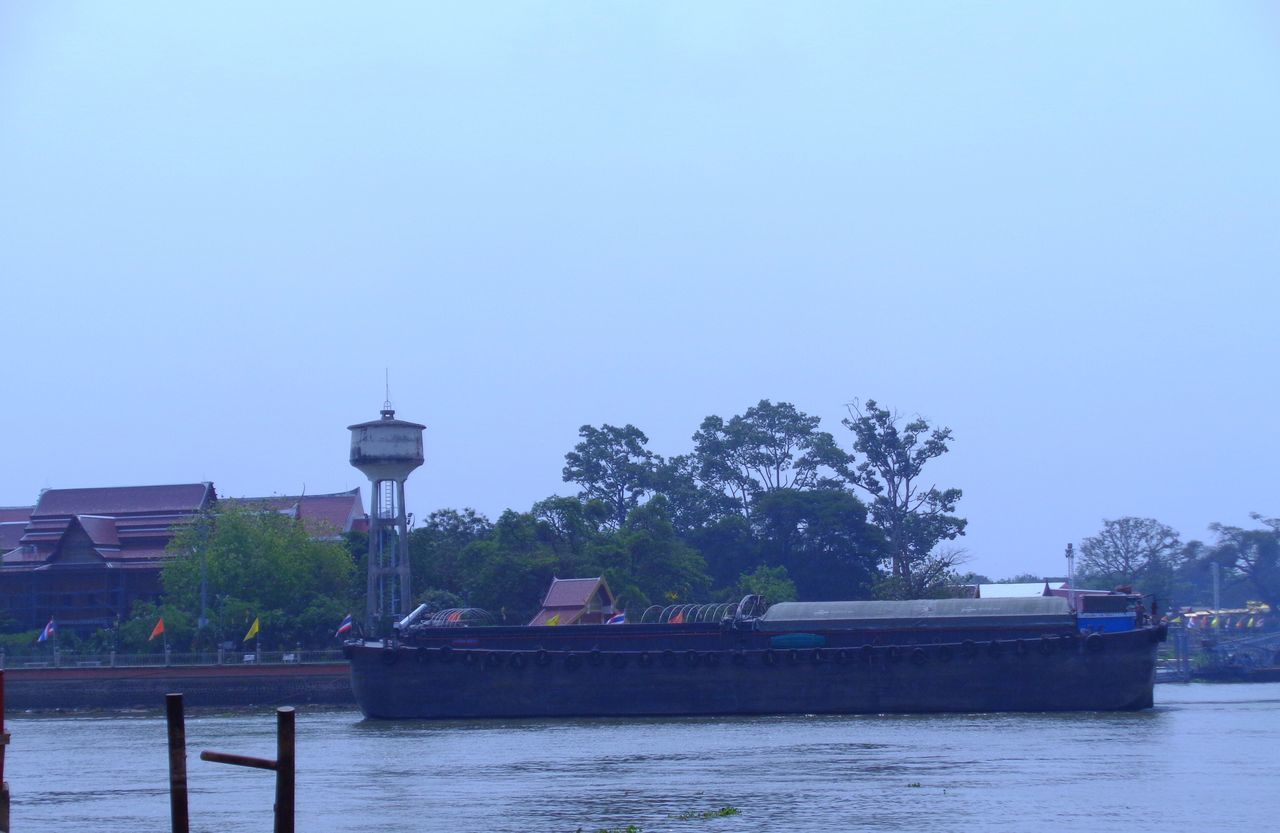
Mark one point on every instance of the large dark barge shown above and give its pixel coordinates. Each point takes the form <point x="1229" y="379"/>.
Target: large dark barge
<point x="947" y="655"/>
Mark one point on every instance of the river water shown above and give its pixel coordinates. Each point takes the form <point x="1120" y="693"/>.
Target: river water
<point x="1204" y="758"/>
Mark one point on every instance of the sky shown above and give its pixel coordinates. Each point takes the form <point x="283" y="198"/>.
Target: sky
<point x="1051" y="227"/>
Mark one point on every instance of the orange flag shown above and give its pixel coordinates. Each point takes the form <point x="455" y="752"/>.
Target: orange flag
<point x="157" y="630"/>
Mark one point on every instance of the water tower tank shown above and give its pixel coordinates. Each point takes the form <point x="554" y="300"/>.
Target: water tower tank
<point x="386" y="448"/>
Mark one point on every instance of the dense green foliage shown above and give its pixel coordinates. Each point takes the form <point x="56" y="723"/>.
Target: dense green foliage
<point x="255" y="564"/>
<point x="914" y="518"/>
<point x="763" y="503"/>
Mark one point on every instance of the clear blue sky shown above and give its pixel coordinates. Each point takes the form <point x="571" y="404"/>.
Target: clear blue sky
<point x="1051" y="227"/>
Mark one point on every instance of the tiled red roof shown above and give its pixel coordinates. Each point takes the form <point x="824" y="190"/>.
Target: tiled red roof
<point x="10" y="535"/>
<point x="125" y="500"/>
<point x="101" y="531"/>
<point x="14" y="514"/>
<point x="331" y="514"/>
<point x="323" y="515"/>
<point x="571" y="592"/>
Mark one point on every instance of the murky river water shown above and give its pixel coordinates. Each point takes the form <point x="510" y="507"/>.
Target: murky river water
<point x="1204" y="758"/>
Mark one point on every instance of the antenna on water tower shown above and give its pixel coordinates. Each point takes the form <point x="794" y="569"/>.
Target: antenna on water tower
<point x="386" y="451"/>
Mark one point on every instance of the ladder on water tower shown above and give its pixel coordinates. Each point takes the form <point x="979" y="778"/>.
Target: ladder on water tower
<point x="387" y="500"/>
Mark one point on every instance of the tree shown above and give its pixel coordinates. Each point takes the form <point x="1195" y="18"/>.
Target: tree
<point x="934" y="577"/>
<point x="729" y="546"/>
<point x="772" y="583"/>
<point x="612" y="465"/>
<point x="1020" y="578"/>
<point x="913" y="518"/>
<point x="569" y="526"/>
<point x="822" y="538"/>
<point x="646" y="563"/>
<point x="508" y="572"/>
<point x="770" y="447"/>
<point x="436" y="547"/>
<point x="1254" y="554"/>
<point x="258" y="563"/>
<point x="1128" y="550"/>
<point x="693" y="503"/>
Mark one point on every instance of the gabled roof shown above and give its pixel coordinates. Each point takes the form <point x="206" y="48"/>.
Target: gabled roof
<point x="568" y="599"/>
<point x="101" y="531"/>
<point x="571" y="592"/>
<point x="15" y="514"/>
<point x="322" y="515"/>
<point x="125" y="500"/>
<point x="11" y="534"/>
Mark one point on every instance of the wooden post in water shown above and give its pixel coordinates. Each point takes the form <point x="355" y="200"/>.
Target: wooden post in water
<point x="177" y="764"/>
<point x="283" y="766"/>
<point x="4" y="744"/>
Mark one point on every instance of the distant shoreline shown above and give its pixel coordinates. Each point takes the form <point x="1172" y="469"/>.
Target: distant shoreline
<point x="47" y="689"/>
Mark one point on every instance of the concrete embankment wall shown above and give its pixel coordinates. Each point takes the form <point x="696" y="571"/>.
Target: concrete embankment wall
<point x="116" y="688"/>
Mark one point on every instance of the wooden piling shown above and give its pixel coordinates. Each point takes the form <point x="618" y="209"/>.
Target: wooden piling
<point x="285" y="765"/>
<point x="4" y="746"/>
<point x="177" y="764"/>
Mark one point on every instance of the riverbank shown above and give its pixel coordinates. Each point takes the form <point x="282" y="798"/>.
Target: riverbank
<point x="127" y="687"/>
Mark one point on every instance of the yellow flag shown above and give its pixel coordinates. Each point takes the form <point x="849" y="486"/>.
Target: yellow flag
<point x="554" y="620"/>
<point x="253" y="631"/>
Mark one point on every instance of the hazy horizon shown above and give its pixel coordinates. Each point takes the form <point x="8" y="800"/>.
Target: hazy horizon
<point x="1051" y="228"/>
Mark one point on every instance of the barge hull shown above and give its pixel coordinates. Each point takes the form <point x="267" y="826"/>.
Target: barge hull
<point x="1109" y="672"/>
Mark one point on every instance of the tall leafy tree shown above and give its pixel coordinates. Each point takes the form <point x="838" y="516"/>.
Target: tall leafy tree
<point x="773" y="583"/>
<point x="1133" y="551"/>
<point x="693" y="503"/>
<point x="508" y="572"/>
<point x="822" y="538"/>
<point x="259" y="563"/>
<point x="1254" y="554"/>
<point x="647" y="563"/>
<point x="436" y="548"/>
<point x="612" y="465"/>
<point x="914" y="515"/>
<point x="768" y="448"/>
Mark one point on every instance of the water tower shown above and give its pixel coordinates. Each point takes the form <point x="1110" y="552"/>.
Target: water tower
<point x="387" y="450"/>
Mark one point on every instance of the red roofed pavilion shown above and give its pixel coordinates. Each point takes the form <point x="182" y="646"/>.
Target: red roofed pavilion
<point x="576" y="601"/>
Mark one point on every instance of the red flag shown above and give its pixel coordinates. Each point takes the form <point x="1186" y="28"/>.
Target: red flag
<point x="157" y="630"/>
<point x="677" y="619"/>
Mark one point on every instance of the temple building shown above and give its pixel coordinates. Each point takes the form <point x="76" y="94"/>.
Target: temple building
<point x="84" y="557"/>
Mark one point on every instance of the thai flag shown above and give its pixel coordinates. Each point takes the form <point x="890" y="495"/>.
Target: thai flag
<point x="345" y="626"/>
<point x="619" y="619"/>
<point x="49" y="631"/>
